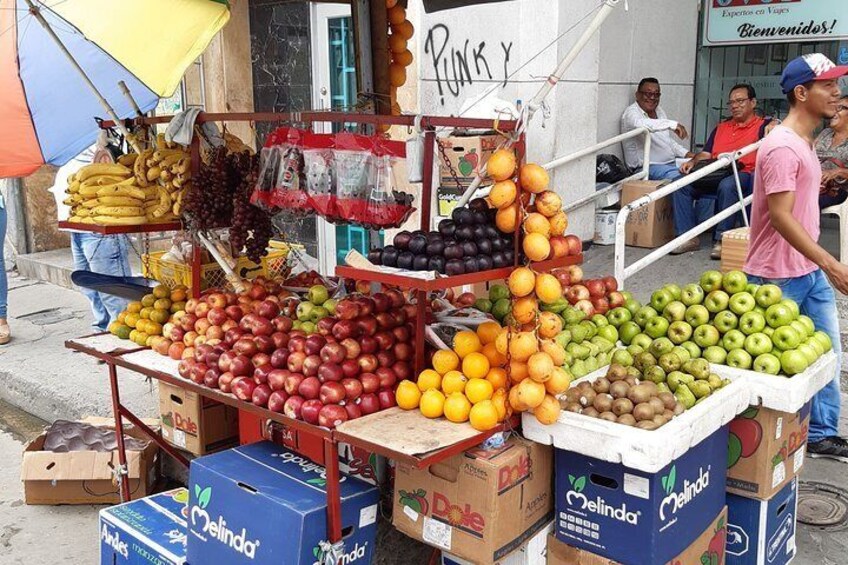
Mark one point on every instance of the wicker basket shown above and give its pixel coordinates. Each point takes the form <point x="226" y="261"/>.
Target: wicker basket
<point x="734" y="249"/>
<point x="212" y="276"/>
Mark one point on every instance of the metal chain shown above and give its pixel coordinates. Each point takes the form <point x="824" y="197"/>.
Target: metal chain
<point x="446" y="160"/>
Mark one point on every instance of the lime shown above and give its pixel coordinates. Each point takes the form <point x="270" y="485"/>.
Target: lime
<point x="483" y="304"/>
<point x="498" y="292"/>
<point x="501" y="308"/>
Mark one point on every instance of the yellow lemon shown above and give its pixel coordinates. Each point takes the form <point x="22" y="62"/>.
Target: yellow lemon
<point x="432" y="404"/>
<point x="453" y="381"/>
<point x="445" y="360"/>
<point x="408" y="395"/>
<point x="429" y="379"/>
<point x="483" y="416"/>
<point x="475" y="365"/>
<point x="478" y="390"/>
<point x="466" y="342"/>
<point x="457" y="408"/>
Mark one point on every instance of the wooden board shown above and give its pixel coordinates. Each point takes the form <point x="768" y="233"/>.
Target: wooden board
<point x="152" y="360"/>
<point x="105" y="343"/>
<point x="407" y="431"/>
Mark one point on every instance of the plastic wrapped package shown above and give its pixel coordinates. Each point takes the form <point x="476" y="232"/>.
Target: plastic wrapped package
<point x="289" y="188"/>
<point x="354" y="163"/>
<point x="320" y="171"/>
<point x="386" y="207"/>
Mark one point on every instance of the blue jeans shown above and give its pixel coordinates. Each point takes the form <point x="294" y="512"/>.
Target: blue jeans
<point x="669" y="171"/>
<point x="4" y="284"/>
<point x="684" y="200"/>
<point x="816" y="299"/>
<point x="107" y="255"/>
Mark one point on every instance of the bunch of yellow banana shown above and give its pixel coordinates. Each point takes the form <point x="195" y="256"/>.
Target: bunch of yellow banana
<point x="167" y="168"/>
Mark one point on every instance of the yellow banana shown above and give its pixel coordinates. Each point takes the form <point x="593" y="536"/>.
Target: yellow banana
<point x="72" y="178"/>
<point x="140" y="168"/>
<point x="73" y="188"/>
<point x="153" y="173"/>
<point x="68" y="201"/>
<point x="122" y="190"/>
<point x="184" y="165"/>
<point x="84" y="212"/>
<point x="165" y="175"/>
<point x="87" y="221"/>
<point x="164" y="203"/>
<point x="128" y="160"/>
<point x="75" y="219"/>
<point x="92" y="203"/>
<point x="172" y="157"/>
<point x="115" y="169"/>
<point x="178" y="203"/>
<point x="118" y="220"/>
<point x="120" y="201"/>
<point x="119" y="211"/>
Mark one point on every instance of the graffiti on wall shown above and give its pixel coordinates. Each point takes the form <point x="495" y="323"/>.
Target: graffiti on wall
<point x="458" y="63"/>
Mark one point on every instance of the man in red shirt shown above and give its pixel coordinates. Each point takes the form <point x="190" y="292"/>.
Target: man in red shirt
<point x="783" y="247"/>
<point x="743" y="128"/>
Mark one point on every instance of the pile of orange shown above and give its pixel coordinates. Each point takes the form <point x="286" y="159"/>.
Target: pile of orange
<point x="143" y="320"/>
<point x="402" y="31"/>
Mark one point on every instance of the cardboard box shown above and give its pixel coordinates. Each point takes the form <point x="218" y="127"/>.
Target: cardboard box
<point x="605" y="227"/>
<point x="466" y="154"/>
<point x="196" y="423"/>
<point x="149" y="530"/>
<point x="261" y="503"/>
<point x="652" y="225"/>
<point x="531" y="552"/>
<point x="708" y="548"/>
<point x="766" y="450"/>
<point x="480" y="505"/>
<point x="86" y="477"/>
<point x="637" y="517"/>
<point x="734" y="249"/>
<point x="762" y="531"/>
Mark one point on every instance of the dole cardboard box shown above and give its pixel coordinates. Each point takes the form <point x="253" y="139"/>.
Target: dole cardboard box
<point x="636" y="517"/>
<point x="148" y="530"/>
<point x="766" y="450"/>
<point x="261" y="503"/>
<point x="651" y="225"/>
<point x="762" y="531"/>
<point x="479" y="505"/>
<point x="196" y="423"/>
<point x="708" y="549"/>
<point x="466" y="154"/>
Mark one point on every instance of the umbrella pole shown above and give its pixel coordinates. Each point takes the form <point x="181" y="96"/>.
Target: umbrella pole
<point x="36" y="12"/>
<point x="553" y="79"/>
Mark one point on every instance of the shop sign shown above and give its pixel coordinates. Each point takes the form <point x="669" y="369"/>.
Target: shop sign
<point x="740" y="22"/>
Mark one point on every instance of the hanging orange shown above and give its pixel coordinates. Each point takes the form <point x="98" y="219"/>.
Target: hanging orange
<point x="397" y="44"/>
<point x="404" y="28"/>
<point x="501" y="165"/>
<point x="397" y="75"/>
<point x="397" y="15"/>
<point x="402" y="57"/>
<point x="533" y="178"/>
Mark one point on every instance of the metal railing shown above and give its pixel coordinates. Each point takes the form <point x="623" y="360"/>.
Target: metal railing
<point x="725" y="159"/>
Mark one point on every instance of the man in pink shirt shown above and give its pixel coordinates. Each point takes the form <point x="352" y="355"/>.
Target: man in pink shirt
<point x="785" y="226"/>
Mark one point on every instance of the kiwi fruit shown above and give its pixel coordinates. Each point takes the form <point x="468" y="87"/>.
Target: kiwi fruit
<point x="647" y="425"/>
<point x="650" y="386"/>
<point x="601" y="385"/>
<point x="619" y="389"/>
<point x="643" y="411"/>
<point x="678" y="409"/>
<point x="603" y="402"/>
<point x="631" y="380"/>
<point x="590" y="411"/>
<point x="622" y="406"/>
<point x="616" y="372"/>
<point x="639" y="394"/>
<point x="627" y="419"/>
<point x="668" y="400"/>
<point x="660" y="420"/>
<point x="608" y="416"/>
<point x="573" y="407"/>
<point x="587" y="397"/>
<point x="668" y="414"/>
<point x="584" y="385"/>
<point x="657" y="404"/>
<point x="573" y="395"/>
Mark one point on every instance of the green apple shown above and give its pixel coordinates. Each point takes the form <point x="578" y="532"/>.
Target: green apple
<point x="697" y="315"/>
<point x="632" y="305"/>
<point x="483" y="304"/>
<point x="318" y="294"/>
<point x="801" y="328"/>
<point x="716" y="301"/>
<point x="742" y="302"/>
<point x="642" y="340"/>
<point x="679" y="331"/>
<point x="692" y="294"/>
<point x="599" y="320"/>
<point x="317" y="313"/>
<point x="711" y="280"/>
<point x="644" y="314"/>
<point x="808" y="323"/>
<point x="823" y="339"/>
<point x="634" y="350"/>
<point x="734" y="281"/>
<point x="303" y="311"/>
<point x="644" y="360"/>
<point x="706" y="335"/>
<point x="793" y="307"/>
<point x="767" y="363"/>
<point x="682" y="353"/>
<point x="752" y="288"/>
<point x="725" y="321"/>
<point x="656" y="327"/>
<point x="815" y="344"/>
<point x="768" y="330"/>
<point x="670" y="362"/>
<point x="739" y="358"/>
<point x="296" y="324"/>
<point x="627" y="331"/>
<point x="563" y="338"/>
<point x="605" y="342"/>
<point x="767" y="295"/>
<point x="627" y="294"/>
<point x="751" y="323"/>
<point x="715" y="354"/>
<point x="608" y="333"/>
<point x="779" y="315"/>
<point x="733" y="340"/>
<point x="330" y="305"/>
<point x="692" y="348"/>
<point x="674" y="311"/>
<point x="617" y="316"/>
<point x="793" y="362"/>
<point x="622" y="357"/>
<point x="786" y="338"/>
<point x="674" y="290"/>
<point x="757" y="344"/>
<point x="308" y="327"/>
<point x="809" y="353"/>
<point x="660" y="299"/>
<point x="660" y="346"/>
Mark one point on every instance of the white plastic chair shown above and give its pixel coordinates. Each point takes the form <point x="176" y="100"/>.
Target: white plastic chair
<point x="841" y="210"/>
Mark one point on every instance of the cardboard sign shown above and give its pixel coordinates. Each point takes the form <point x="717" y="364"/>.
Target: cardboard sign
<point x="465" y="156"/>
<point x="196" y="423"/>
<point x="651" y="225"/>
<point x="709" y="548"/>
<point x="149" y="530"/>
<point x="762" y="531"/>
<point x="637" y="517"/>
<point x="766" y="450"/>
<point x="260" y="503"/>
<point x="480" y="505"/>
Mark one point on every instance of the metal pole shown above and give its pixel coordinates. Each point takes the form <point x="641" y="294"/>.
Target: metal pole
<point x="592" y="149"/>
<point x="739" y="192"/>
<point x="36" y="12"/>
<point x="125" y="89"/>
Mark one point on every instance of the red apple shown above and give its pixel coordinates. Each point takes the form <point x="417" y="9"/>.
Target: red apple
<point x="246" y="346"/>
<point x="559" y="246"/>
<point x="333" y="353"/>
<point x="277" y="379"/>
<point x="368" y="344"/>
<point x="280" y="340"/>
<point x="232" y="335"/>
<point x="353" y="411"/>
<point x="184" y="367"/>
<point x="191" y="304"/>
<point x="225" y="382"/>
<point x="347" y="309"/>
<point x="309" y="388"/>
<point x="279" y="358"/>
<point x="366" y="324"/>
<point x="202" y="309"/>
<point x="616" y="299"/>
<point x="332" y="393"/>
<point x="310" y="410"/>
<point x="262" y="326"/>
<point x="350" y="367"/>
<point x="402" y="351"/>
<point x="257" y="292"/>
<point x="369" y="403"/>
<point x="261" y="395"/>
<point x="175" y="351"/>
<point x="402" y="370"/>
<point x="198" y="372"/>
<point x="402" y="334"/>
<point x="296" y="343"/>
<point x="465" y="299"/>
<point x="610" y="283"/>
<point x="344" y="329"/>
<point x="243" y="388"/>
<point x="225" y="360"/>
<point x="596" y="288"/>
<point x="268" y="309"/>
<point x="314" y="343"/>
<point x="260" y="374"/>
<point x="396" y="297"/>
<point x="228" y="325"/>
<point x="576" y="273"/>
<point x="330" y="372"/>
<point x="234" y="312"/>
<point x="264" y="343"/>
<point x="385" y="358"/>
<point x="295" y="361"/>
<point x="563" y="277"/>
<point x="586" y="306"/>
<point x="277" y="401"/>
<point x="368" y="363"/>
<point x="381" y="302"/>
<point x="386" y="396"/>
<point x="352" y="348"/>
<point x="575" y="246"/>
<point x="215" y="332"/>
<point x="325" y="325"/>
<point x="576" y="293"/>
<point x="387" y="377"/>
<point x="292" y="382"/>
<point x="210" y="379"/>
<point x="216" y="300"/>
<point x="332" y="415"/>
<point x="385" y="340"/>
<point x="601" y="305"/>
<point x="353" y="388"/>
<point x="187" y="322"/>
<point x="385" y="320"/>
<point x="311" y="365"/>
<point x="293" y="406"/>
<point x="282" y="323"/>
<point x="241" y="366"/>
<point x="260" y="359"/>
<point x="217" y="316"/>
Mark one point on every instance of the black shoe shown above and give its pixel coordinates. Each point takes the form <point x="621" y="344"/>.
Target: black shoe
<point x="833" y="447"/>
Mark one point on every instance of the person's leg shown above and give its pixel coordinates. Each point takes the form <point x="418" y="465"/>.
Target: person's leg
<point x="664" y="172"/>
<point x="82" y="248"/>
<point x="726" y="197"/>
<point x="109" y="257"/>
<point x="683" y="204"/>
<point x="826" y="201"/>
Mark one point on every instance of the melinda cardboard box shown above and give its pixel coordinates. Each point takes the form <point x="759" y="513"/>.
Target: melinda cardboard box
<point x="636" y="517"/>
<point x="480" y="505"/>
<point x="195" y="423"/>
<point x="762" y="531"/>
<point x="87" y="477"/>
<point x="766" y="450"/>
<point x="708" y="549"/>
<point x="149" y="530"/>
<point x="651" y="225"/>
<point x="466" y="155"/>
<point x="261" y="503"/>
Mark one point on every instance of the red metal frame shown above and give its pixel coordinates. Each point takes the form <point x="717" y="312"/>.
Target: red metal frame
<point x="112" y="230"/>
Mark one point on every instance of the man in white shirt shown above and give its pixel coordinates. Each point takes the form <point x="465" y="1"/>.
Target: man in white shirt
<point x="665" y="148"/>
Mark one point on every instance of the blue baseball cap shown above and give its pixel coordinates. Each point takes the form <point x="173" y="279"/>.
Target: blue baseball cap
<point x="812" y="66"/>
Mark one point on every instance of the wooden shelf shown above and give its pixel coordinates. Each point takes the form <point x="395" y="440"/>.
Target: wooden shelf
<point x="113" y="230"/>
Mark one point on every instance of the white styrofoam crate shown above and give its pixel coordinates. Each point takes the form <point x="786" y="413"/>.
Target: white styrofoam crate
<point x="645" y="450"/>
<point x="104" y="343"/>
<point x="785" y="394"/>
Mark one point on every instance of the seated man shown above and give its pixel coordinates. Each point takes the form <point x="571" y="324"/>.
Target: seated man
<point x="742" y="129"/>
<point x="645" y="112"/>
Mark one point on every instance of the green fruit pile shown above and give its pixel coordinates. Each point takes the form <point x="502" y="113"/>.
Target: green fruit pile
<point x="726" y="320"/>
<point x="497" y="304"/>
<point x="316" y="306"/>
<point x="588" y="343"/>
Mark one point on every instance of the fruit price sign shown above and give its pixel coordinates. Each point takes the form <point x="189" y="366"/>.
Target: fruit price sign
<point x="737" y="22"/>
